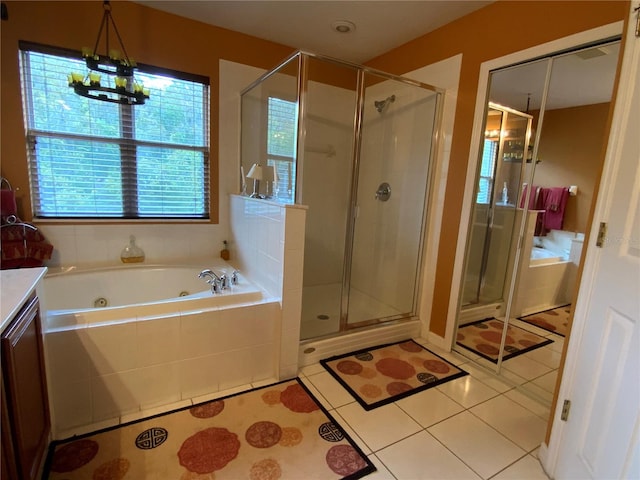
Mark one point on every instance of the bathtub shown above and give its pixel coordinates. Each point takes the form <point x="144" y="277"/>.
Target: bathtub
<point x="162" y="340"/>
<point x="542" y="256"/>
<point x="79" y="297"/>
<point x="546" y="282"/>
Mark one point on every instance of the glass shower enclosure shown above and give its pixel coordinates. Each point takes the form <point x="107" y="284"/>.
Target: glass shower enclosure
<point x="355" y="146"/>
<point x="493" y="228"/>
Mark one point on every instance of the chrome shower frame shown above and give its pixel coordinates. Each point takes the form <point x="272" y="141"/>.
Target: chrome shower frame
<point x="301" y="59"/>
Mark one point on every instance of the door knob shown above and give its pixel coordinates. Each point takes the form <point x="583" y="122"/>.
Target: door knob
<point x="384" y="192"/>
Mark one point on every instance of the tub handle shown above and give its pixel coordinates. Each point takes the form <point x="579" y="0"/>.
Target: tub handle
<point x="216" y="285"/>
<point x="234" y="277"/>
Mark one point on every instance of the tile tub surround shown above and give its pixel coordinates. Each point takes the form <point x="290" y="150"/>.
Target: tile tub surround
<point x="106" y="371"/>
<point x="102" y="376"/>
<point x="269" y="239"/>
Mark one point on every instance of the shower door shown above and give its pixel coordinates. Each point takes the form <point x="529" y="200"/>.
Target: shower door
<point x="330" y="100"/>
<point x="499" y="179"/>
<point x="364" y="150"/>
<point x="389" y="201"/>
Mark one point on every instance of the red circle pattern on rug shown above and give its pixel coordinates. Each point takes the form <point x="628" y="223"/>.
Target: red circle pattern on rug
<point x="209" y="450"/>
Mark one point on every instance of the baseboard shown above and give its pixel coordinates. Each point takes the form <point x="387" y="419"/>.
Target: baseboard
<point x="472" y="314"/>
<point x="543" y="456"/>
<point x="438" y="341"/>
<point x="315" y="350"/>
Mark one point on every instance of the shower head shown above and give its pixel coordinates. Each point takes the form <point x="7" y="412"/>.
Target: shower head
<point x="381" y="104"/>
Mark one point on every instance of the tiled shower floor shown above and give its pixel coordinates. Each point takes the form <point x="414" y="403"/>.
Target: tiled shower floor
<point x="321" y="309"/>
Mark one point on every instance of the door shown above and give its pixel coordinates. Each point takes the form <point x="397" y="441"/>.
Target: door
<point x="601" y="379"/>
<point x="398" y="122"/>
<point x="26" y="389"/>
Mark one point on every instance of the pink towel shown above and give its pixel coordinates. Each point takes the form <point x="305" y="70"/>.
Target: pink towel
<point x="533" y="197"/>
<point x="555" y="201"/>
<point x="535" y="203"/>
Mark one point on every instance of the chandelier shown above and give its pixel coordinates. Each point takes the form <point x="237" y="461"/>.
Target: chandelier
<point x="118" y="84"/>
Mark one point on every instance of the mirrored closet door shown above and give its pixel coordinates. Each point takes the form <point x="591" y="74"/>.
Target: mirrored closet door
<point x="535" y="183"/>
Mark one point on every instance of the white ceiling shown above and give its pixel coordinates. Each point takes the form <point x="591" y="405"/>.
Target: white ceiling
<point x="306" y="25"/>
<point x="580" y="78"/>
<point x="381" y="25"/>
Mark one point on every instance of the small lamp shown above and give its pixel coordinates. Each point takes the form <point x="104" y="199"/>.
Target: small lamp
<point x="256" y="174"/>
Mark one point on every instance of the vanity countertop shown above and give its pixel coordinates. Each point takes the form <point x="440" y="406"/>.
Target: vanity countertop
<point x="16" y="286"/>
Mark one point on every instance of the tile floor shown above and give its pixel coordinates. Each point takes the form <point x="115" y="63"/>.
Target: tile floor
<point x="474" y="427"/>
<point x="471" y="428"/>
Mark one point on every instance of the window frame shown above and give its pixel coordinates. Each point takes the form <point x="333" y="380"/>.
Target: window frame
<point x="286" y="195"/>
<point x="488" y="159"/>
<point x="126" y="141"/>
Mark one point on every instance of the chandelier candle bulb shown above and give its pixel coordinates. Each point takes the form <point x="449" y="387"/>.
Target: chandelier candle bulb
<point x="94" y="79"/>
<point x="77" y="77"/>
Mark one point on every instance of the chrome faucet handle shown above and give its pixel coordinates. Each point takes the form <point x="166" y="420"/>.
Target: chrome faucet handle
<point x="234" y="277"/>
<point x="224" y="281"/>
<point x="216" y="286"/>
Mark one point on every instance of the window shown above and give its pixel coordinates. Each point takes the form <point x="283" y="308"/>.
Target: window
<point x="489" y="152"/>
<point x="281" y="146"/>
<point x="92" y="159"/>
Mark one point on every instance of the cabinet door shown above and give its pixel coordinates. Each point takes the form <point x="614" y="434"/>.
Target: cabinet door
<point x="26" y="390"/>
<point x="8" y="465"/>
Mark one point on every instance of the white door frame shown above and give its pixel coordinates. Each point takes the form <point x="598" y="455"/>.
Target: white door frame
<point x="581" y="38"/>
<point x="549" y="456"/>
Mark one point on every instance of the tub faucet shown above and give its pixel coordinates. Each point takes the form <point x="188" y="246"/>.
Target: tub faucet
<point x="218" y="283"/>
<point x="208" y="273"/>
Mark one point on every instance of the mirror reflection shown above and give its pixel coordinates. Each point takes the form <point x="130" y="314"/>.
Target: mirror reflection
<point x="535" y="185"/>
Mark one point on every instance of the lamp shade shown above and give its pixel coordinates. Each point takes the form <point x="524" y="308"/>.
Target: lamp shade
<point x="255" y="172"/>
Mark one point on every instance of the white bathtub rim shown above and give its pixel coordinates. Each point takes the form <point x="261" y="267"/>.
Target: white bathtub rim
<point x="244" y="295"/>
<point x="75" y="269"/>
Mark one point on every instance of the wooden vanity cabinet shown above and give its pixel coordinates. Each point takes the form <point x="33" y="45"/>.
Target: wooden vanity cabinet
<point x="25" y="409"/>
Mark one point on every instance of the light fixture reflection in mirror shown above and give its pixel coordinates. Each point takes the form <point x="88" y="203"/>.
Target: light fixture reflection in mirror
<point x="256" y="174"/>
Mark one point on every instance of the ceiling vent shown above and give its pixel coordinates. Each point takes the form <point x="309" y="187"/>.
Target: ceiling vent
<point x="592" y="53"/>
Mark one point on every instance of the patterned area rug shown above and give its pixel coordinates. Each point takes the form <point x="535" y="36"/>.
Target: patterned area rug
<point x="555" y="320"/>
<point x="484" y="338"/>
<point x="383" y="374"/>
<point x="274" y="432"/>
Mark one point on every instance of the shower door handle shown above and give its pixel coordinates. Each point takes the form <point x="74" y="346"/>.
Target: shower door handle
<point x="384" y="192"/>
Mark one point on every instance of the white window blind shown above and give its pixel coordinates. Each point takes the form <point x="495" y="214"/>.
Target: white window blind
<point x="93" y="159"/>
<point x="489" y="152"/>
<point x="281" y="146"/>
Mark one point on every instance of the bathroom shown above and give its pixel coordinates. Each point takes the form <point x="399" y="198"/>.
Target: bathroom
<point x="178" y="242"/>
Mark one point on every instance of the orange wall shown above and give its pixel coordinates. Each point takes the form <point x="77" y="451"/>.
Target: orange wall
<point x="150" y="36"/>
<point x="496" y="30"/>
<point x="159" y="38"/>
<point x="570" y="151"/>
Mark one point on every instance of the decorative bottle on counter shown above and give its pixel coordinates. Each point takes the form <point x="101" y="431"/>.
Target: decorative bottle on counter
<point x="505" y="194"/>
<point x="224" y="253"/>
<point x="132" y="253"/>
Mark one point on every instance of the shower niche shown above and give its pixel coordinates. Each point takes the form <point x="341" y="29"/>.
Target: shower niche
<point x="354" y="145"/>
